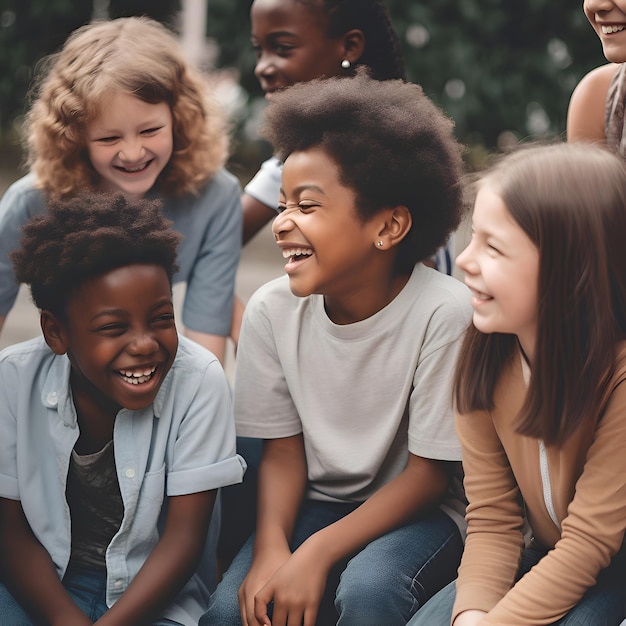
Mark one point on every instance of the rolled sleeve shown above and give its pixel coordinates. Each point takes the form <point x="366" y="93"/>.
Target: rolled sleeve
<point x="204" y="455"/>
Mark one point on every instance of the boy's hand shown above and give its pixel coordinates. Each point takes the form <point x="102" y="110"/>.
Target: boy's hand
<point x="261" y="571"/>
<point x="296" y="589"/>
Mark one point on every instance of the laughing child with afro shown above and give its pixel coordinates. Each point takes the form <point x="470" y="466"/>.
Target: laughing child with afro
<point x="115" y="432"/>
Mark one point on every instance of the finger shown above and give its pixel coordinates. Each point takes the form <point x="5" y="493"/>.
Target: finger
<point x="261" y="614"/>
<point x="310" y="616"/>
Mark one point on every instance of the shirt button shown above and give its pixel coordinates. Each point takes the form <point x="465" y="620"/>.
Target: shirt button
<point x="52" y="398"/>
<point x="130" y="473"/>
<point x="118" y="584"/>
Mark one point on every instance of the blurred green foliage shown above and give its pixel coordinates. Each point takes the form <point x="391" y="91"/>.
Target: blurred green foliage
<point x="501" y="70"/>
<point x="29" y="30"/>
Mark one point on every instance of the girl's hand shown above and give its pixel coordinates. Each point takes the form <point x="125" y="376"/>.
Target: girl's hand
<point x="261" y="570"/>
<point x="296" y="589"/>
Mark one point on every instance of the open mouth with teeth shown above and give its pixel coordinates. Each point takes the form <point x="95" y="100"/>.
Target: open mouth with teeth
<point x="296" y="254"/>
<point x="135" y="169"/>
<point x="615" y="28"/>
<point x="137" y="377"/>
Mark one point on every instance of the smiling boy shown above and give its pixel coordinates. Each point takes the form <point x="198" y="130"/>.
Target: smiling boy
<point x="115" y="433"/>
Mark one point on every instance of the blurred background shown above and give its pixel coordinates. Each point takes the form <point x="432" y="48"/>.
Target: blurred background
<point x="504" y="71"/>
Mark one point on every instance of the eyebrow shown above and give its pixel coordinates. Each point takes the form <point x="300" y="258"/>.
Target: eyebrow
<point x="306" y="187"/>
<point x="156" y="305"/>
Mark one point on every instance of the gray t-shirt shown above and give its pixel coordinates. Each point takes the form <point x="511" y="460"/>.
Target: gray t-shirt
<point x="364" y="395"/>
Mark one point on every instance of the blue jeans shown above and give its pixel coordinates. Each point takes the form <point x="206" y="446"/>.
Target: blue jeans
<point x="385" y="583"/>
<point x="86" y="587"/>
<point x="602" y="605"/>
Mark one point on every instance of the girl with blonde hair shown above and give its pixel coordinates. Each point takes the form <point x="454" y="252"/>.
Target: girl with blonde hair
<point x="120" y="109"/>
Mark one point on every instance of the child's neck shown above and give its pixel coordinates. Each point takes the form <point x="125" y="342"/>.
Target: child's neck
<point x="96" y="417"/>
<point x="361" y="305"/>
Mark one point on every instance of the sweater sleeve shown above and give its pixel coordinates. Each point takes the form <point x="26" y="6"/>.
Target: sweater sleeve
<point x="591" y="532"/>
<point x="495" y="518"/>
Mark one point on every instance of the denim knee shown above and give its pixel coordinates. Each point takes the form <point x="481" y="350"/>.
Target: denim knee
<point x="11" y="612"/>
<point x="438" y="610"/>
<point x="388" y="581"/>
<point x="223" y="607"/>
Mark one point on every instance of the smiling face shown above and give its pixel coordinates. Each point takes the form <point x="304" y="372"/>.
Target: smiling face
<point x="329" y="249"/>
<point x="608" y="19"/>
<point x="129" y="143"/>
<point x="501" y="266"/>
<point x="120" y="337"/>
<point x="291" y="44"/>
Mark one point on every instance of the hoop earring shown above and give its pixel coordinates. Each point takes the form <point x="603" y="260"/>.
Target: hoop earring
<point x="345" y="64"/>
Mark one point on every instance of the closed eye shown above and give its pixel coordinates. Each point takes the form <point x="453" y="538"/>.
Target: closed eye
<point x="164" y="320"/>
<point x="114" y="328"/>
<point x="150" y="131"/>
<point x="110" y="139"/>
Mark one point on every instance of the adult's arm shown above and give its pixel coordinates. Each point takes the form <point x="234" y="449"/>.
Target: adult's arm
<point x="30" y="574"/>
<point x="586" y="112"/>
<point x="169" y="566"/>
<point x="255" y="215"/>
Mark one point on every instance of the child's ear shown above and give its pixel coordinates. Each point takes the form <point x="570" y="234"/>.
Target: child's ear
<point x="397" y="222"/>
<point x="354" y="45"/>
<point x="53" y="332"/>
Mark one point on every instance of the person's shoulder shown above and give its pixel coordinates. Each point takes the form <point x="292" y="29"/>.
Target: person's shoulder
<point x="192" y="356"/>
<point x="440" y="289"/>
<point x="587" y="105"/>
<point x="222" y="181"/>
<point x="24" y="192"/>
<point x="30" y="354"/>
<point x="600" y="76"/>
<point x="275" y="292"/>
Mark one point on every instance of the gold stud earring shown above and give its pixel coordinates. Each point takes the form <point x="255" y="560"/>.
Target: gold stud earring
<point x="380" y="244"/>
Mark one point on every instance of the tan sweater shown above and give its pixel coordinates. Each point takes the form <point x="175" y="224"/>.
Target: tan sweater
<point x="587" y="480"/>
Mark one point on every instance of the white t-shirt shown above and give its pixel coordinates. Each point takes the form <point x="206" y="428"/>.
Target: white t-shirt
<point x="362" y="394"/>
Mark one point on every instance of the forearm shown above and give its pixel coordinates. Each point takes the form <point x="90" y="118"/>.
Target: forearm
<point x="255" y="216"/>
<point x="418" y="488"/>
<point x="30" y="573"/>
<point x="170" y="565"/>
<point x="281" y="487"/>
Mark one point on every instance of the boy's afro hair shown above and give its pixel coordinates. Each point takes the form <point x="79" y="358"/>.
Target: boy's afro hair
<point x="88" y="236"/>
<point x="392" y="145"/>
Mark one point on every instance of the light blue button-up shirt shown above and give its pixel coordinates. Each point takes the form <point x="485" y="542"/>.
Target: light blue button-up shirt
<point x="183" y="443"/>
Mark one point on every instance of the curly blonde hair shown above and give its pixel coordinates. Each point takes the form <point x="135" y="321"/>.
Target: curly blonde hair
<point x="137" y="56"/>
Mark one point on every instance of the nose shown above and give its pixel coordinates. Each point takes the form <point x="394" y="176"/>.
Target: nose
<point x="597" y="6"/>
<point x="466" y="261"/>
<point x="132" y="151"/>
<point x="264" y="68"/>
<point x="143" y="343"/>
<point x="282" y="224"/>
